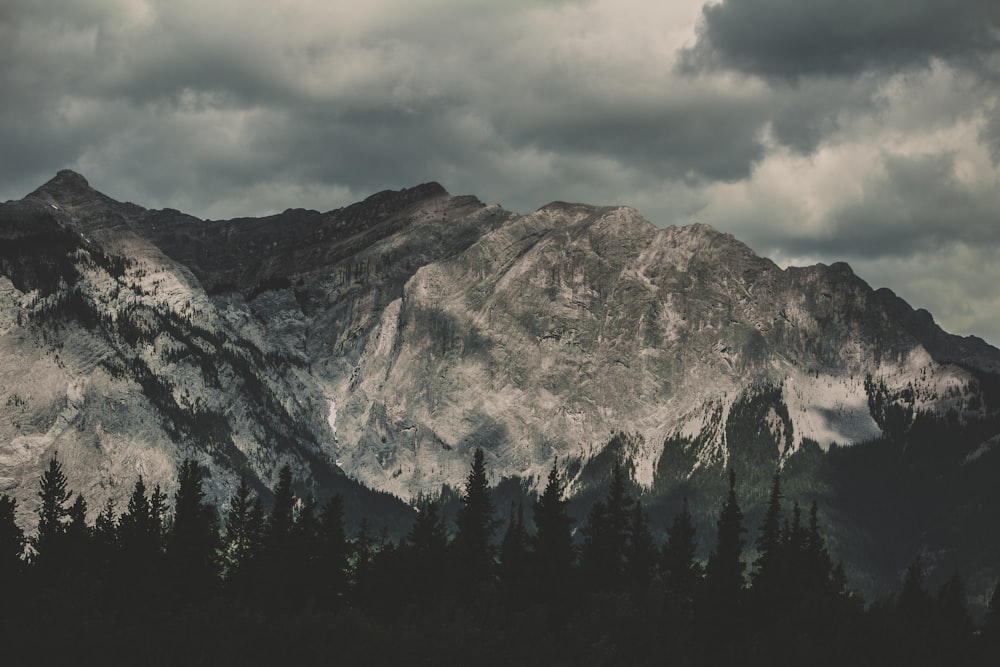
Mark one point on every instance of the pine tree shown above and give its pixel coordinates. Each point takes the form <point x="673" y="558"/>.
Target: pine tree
<point x="724" y="572"/>
<point x="192" y="544"/>
<point x="138" y="531"/>
<point x="681" y="572"/>
<point x="243" y="538"/>
<point x="641" y="553"/>
<point x="333" y="553"/>
<point x="818" y="565"/>
<point x="606" y="536"/>
<point x="283" y="512"/>
<point x="106" y="538"/>
<point x="514" y="551"/>
<point x="304" y="542"/>
<point x="52" y="515"/>
<point x="475" y="524"/>
<point x="769" y="566"/>
<point x="363" y="552"/>
<point x="79" y="544"/>
<point x="11" y="543"/>
<point x="554" y="549"/>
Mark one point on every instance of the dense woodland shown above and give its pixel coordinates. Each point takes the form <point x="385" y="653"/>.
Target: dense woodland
<point x="173" y="583"/>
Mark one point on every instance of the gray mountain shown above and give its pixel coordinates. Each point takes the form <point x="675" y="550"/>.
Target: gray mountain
<point x="379" y="344"/>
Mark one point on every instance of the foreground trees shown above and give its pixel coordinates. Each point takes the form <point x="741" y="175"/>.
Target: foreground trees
<point x="288" y="582"/>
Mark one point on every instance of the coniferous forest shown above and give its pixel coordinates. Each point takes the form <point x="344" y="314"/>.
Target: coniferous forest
<point x="168" y="581"/>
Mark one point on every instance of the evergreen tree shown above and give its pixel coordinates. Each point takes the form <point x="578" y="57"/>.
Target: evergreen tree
<point x="283" y="512"/>
<point x="554" y="549"/>
<point x="11" y="543"/>
<point x="724" y="572"/>
<point x="607" y="534"/>
<point x="363" y="557"/>
<point x="641" y="553"/>
<point x="681" y="572"/>
<point x="333" y="553"/>
<point x="244" y="535"/>
<point x="769" y="566"/>
<point x="514" y="551"/>
<point x="79" y="545"/>
<point x="52" y="515"/>
<point x="304" y="543"/>
<point x="475" y="525"/>
<point x="818" y="565"/>
<point x="106" y="538"/>
<point x="139" y="533"/>
<point x="192" y="544"/>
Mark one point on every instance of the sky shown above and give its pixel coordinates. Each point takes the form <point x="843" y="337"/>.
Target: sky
<point x="820" y="131"/>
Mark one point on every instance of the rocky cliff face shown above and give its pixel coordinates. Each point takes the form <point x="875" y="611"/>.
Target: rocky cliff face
<point x="382" y="342"/>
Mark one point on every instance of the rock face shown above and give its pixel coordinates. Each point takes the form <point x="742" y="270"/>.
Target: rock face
<point x="382" y="342"/>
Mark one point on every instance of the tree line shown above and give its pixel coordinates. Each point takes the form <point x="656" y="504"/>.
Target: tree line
<point x="166" y="583"/>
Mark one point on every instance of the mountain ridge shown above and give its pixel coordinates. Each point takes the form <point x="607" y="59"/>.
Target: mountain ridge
<point x="380" y="343"/>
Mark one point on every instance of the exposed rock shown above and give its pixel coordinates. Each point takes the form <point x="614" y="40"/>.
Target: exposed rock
<point x="387" y="339"/>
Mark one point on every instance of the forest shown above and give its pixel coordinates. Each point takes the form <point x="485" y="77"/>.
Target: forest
<point x="170" y="581"/>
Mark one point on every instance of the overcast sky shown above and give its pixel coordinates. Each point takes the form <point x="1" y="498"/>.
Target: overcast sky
<point x="825" y="130"/>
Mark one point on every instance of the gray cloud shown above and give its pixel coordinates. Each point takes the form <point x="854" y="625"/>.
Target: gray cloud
<point x="789" y="39"/>
<point x="917" y="205"/>
<point x="799" y="127"/>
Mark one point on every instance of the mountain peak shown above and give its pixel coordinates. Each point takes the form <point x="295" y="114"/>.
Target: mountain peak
<point x="65" y="180"/>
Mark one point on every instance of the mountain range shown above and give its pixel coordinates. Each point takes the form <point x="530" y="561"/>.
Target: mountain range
<point x="372" y="348"/>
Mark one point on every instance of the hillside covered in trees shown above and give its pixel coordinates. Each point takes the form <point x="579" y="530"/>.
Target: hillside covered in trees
<point x="168" y="581"/>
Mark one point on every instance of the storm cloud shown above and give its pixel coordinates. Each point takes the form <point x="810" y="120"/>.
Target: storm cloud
<point x="819" y="131"/>
<point x="792" y="39"/>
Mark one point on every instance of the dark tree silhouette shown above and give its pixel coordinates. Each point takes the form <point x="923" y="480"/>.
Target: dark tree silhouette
<point x="515" y="552"/>
<point x="769" y="567"/>
<point x="681" y="572"/>
<point x="49" y="542"/>
<point x="243" y="539"/>
<point x="640" y="556"/>
<point x="333" y="553"/>
<point x="11" y="542"/>
<point x="724" y="572"/>
<point x="193" y="541"/>
<point x="475" y="525"/>
<point x="606" y="536"/>
<point x="554" y="548"/>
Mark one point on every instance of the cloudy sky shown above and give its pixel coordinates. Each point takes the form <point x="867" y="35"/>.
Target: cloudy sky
<point x="814" y="131"/>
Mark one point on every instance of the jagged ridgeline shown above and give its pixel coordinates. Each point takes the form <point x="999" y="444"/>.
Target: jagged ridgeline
<point x="372" y="348"/>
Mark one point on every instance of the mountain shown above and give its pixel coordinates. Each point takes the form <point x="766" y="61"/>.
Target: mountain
<point x="374" y="347"/>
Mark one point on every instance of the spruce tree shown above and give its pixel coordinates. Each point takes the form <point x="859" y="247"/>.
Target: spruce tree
<point x="641" y="553"/>
<point x="79" y="538"/>
<point x="11" y="542"/>
<point x="606" y="536"/>
<point x="554" y="549"/>
<point x="514" y="551"/>
<point x="304" y="542"/>
<point x="475" y="526"/>
<point x="192" y="544"/>
<point x="333" y="553"/>
<point x="49" y="542"/>
<point x="769" y="566"/>
<point x="818" y="565"/>
<point x="681" y="572"/>
<point x="283" y="512"/>
<point x="139" y="534"/>
<point x="243" y="538"/>
<point x="724" y="572"/>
